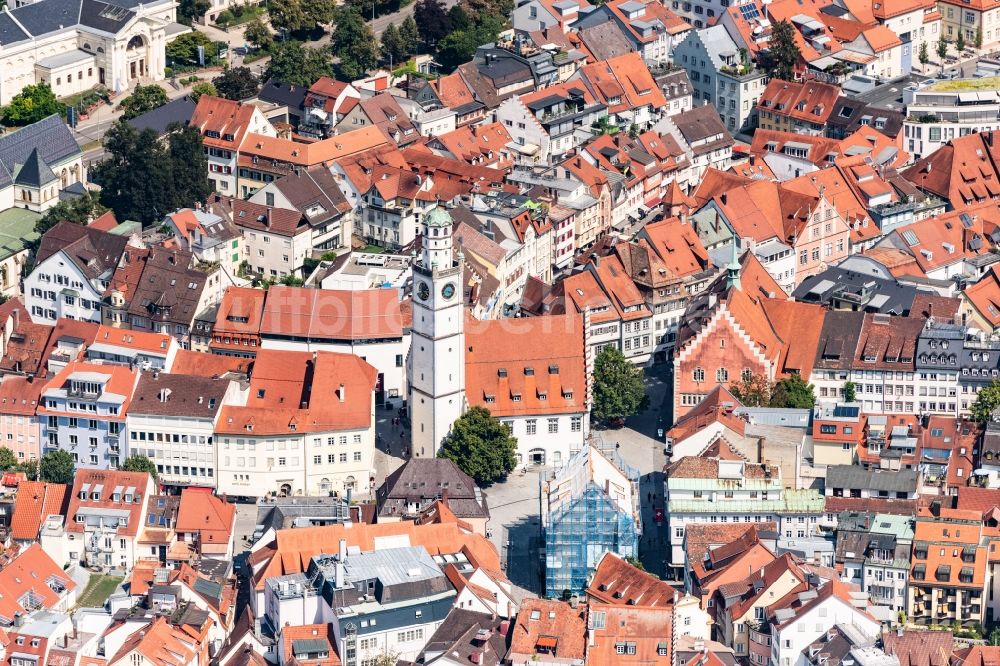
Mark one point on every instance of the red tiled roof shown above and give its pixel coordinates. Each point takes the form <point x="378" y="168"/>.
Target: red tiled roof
<point x="533" y="365"/>
<point x="32" y="571"/>
<point x="110" y="480"/>
<point x="809" y="101"/>
<point x="208" y="516"/>
<point x="551" y="624"/>
<point x="617" y="582"/>
<point x="331" y="314"/>
<point x="35" y="501"/>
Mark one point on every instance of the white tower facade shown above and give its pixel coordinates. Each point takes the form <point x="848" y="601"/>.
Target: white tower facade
<point x="437" y="345"/>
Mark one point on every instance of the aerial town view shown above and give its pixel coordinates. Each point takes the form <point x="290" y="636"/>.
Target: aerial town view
<point x="500" y="332"/>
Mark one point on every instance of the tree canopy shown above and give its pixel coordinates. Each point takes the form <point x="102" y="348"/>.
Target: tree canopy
<point x="481" y="446"/>
<point x="299" y="65"/>
<point x="143" y="178"/>
<point x="78" y="210"/>
<point x="237" y="83"/>
<point x="354" y="43"/>
<point x="987" y="400"/>
<point x="258" y="35"/>
<point x="300" y="16"/>
<point x="794" y="392"/>
<point x="33" y="103"/>
<point x="432" y="20"/>
<point x="143" y="99"/>
<point x="782" y="52"/>
<point x="139" y="464"/>
<point x="189" y="10"/>
<point x="57" y="467"/>
<point x="8" y="460"/>
<point x="752" y="390"/>
<point x="460" y="46"/>
<point x="203" y="88"/>
<point x="619" y="390"/>
<point x="183" y="50"/>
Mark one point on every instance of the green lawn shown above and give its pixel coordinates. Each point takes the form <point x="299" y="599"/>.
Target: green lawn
<point x="967" y="85"/>
<point x="98" y="590"/>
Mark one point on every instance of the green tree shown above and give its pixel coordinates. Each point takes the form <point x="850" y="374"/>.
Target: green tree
<point x="189" y="10"/>
<point x="354" y="43"/>
<point x="793" y="392"/>
<point x="752" y="390"/>
<point x="923" y="56"/>
<point x="994" y="637"/>
<point x="979" y="37"/>
<point x="57" y="467"/>
<point x="203" y="88"/>
<point x="481" y="446"/>
<point x="635" y="562"/>
<point x="987" y="400"/>
<point x="139" y="464"/>
<point x="33" y="103"/>
<point x="183" y="50"/>
<point x="289" y="15"/>
<point x="7" y="459"/>
<point x="136" y="176"/>
<point x="619" y="390"/>
<point x="942" y="49"/>
<point x="258" y="35"/>
<point x="83" y="209"/>
<point x="850" y="391"/>
<point x="410" y="35"/>
<point x="188" y="168"/>
<point x="460" y="46"/>
<point x="319" y="12"/>
<point x="143" y="99"/>
<point x="237" y="83"/>
<point x="432" y="20"/>
<point x="296" y="64"/>
<point x="458" y="19"/>
<point x="782" y="51"/>
<point x="960" y="42"/>
<point x="393" y="49"/>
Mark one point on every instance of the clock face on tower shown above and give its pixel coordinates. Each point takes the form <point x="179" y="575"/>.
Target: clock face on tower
<point x="448" y="291"/>
<point x="423" y="291"/>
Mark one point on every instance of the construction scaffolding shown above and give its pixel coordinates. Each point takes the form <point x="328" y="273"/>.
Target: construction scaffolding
<point x="589" y="507"/>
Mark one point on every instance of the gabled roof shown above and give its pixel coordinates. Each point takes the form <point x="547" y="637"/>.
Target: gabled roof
<point x="618" y="583"/>
<point x="718" y="406"/>
<point x="963" y="171"/>
<point x="331" y="314"/>
<point x="535" y="368"/>
<point x="49" y="139"/>
<point x="93" y="251"/>
<point x="810" y="101"/>
<point x="36" y="501"/>
<point x="622" y="83"/>
<point x="108" y="482"/>
<point x="30" y="582"/>
<point x="211" y="517"/>
<point x="553" y="625"/>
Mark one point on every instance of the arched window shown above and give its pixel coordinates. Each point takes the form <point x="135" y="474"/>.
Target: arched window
<point x="350" y="483"/>
<point x="722" y="375"/>
<point x="135" y="43"/>
<point x="698" y="375"/>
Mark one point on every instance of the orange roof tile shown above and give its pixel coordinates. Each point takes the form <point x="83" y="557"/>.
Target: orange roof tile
<point x="35" y="501"/>
<point x="109" y="480"/>
<point x="617" y="582"/>
<point x="810" y="101"/>
<point x="311" y="154"/>
<point x="210" y="517"/>
<point x="295" y="547"/>
<point x="310" y="632"/>
<point x="553" y="625"/>
<point x="223" y="123"/>
<point x="34" y="572"/>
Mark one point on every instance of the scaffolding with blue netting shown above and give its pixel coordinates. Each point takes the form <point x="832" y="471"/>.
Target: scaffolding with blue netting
<point x="590" y="507"/>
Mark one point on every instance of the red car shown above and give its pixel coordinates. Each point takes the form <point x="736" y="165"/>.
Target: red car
<point x="658" y="515"/>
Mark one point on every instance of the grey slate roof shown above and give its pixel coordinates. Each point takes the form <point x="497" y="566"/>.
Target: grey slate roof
<point x="50" y="137"/>
<point x="47" y="16"/>
<point x="852" y="476"/>
<point x="179" y="110"/>
<point x="34" y="172"/>
<point x="422" y="480"/>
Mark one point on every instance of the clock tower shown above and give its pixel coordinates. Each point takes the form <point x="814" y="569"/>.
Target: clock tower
<point x="437" y="343"/>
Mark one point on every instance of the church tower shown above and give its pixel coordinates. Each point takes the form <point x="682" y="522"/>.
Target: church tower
<point x="437" y="343"/>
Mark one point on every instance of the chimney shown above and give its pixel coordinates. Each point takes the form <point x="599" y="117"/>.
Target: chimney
<point x="340" y="393"/>
<point x="342" y="552"/>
